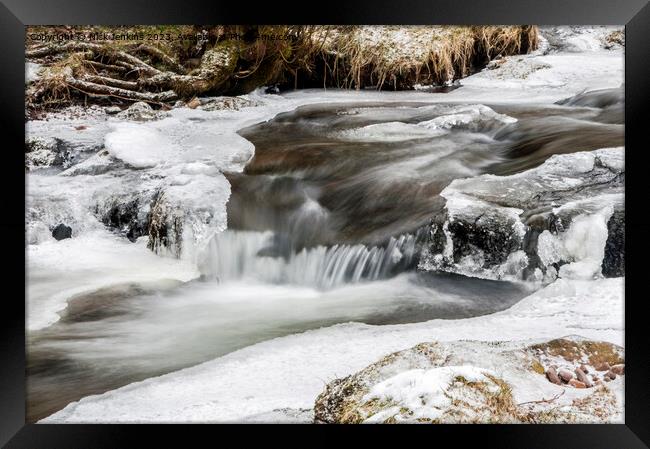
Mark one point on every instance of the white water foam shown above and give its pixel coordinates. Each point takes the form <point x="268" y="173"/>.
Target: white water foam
<point x="237" y="255"/>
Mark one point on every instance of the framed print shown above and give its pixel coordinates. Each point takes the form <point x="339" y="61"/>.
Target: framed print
<point x="374" y="215"/>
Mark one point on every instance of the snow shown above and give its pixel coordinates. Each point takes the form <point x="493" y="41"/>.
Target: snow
<point x="139" y="146"/>
<point x="295" y="368"/>
<point x="423" y="392"/>
<point x="32" y="71"/>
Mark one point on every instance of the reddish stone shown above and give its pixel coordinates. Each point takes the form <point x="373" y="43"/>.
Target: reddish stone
<point x="582" y="377"/>
<point x="602" y="366"/>
<point x="618" y="369"/>
<point x="577" y="384"/>
<point x="611" y="375"/>
<point x="584" y="369"/>
<point x="552" y="376"/>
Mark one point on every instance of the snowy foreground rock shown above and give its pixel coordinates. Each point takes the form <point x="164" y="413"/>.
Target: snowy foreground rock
<point x="478" y="382"/>
<point x="553" y="220"/>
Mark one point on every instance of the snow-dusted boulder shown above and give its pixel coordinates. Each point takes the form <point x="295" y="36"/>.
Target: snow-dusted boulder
<point x="479" y="382"/>
<point x="140" y="112"/>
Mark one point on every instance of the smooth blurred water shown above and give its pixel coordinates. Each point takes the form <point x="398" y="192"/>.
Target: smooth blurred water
<point x="324" y="227"/>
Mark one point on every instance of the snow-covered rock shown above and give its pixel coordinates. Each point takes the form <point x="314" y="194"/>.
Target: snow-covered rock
<point x="476" y="382"/>
<point x="532" y="224"/>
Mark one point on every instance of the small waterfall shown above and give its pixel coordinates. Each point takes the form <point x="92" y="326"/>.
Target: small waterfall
<point x="236" y="255"/>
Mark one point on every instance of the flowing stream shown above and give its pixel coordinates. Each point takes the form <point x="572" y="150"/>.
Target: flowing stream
<point x="325" y="226"/>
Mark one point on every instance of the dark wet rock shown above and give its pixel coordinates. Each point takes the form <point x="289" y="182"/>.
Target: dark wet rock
<point x="165" y="227"/>
<point x="61" y="232"/>
<point x="614" y="259"/>
<point x="130" y="216"/>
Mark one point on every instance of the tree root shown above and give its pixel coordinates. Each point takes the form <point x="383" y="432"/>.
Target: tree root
<point x="100" y="70"/>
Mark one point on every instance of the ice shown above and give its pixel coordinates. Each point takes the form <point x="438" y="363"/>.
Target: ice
<point x="389" y="132"/>
<point x="473" y="117"/>
<point x="60" y="270"/>
<point x="139" y="145"/>
<point x="585" y="244"/>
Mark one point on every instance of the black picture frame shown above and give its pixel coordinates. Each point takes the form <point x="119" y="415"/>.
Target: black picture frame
<point x="15" y="14"/>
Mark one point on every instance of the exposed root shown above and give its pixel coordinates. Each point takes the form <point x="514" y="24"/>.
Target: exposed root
<point x="306" y="56"/>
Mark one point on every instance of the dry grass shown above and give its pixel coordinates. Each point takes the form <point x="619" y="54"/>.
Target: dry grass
<point x="234" y="60"/>
<point x="595" y="352"/>
<point x="402" y="56"/>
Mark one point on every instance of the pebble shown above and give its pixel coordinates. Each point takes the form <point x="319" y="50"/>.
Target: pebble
<point x="565" y="375"/>
<point x="113" y="109"/>
<point x="577" y="384"/>
<point x="584" y="369"/>
<point x="602" y="366"/>
<point x="582" y="377"/>
<point x="618" y="369"/>
<point x="193" y="103"/>
<point x="611" y="375"/>
<point x="552" y="376"/>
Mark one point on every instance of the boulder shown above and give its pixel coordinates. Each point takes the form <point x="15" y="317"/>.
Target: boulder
<point x="517" y="226"/>
<point x="61" y="232"/>
<point x="112" y="110"/>
<point x="457" y="382"/>
<point x="614" y="260"/>
<point x="140" y="112"/>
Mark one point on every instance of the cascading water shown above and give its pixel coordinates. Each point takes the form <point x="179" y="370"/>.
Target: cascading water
<point x="238" y="255"/>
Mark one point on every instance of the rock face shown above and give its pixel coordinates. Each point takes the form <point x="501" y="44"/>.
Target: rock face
<point x="614" y="260"/>
<point x="129" y="215"/>
<point x="165" y="227"/>
<point x="61" y="232"/>
<point x="457" y="382"/>
<point x="529" y="225"/>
